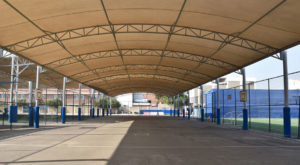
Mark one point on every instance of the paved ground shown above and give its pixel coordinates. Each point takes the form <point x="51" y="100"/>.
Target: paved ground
<point x="143" y="140"/>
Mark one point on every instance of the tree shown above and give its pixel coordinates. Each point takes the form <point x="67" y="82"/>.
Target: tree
<point x="158" y="97"/>
<point x="114" y="103"/>
<point x="54" y="103"/>
<point x="168" y="100"/>
<point x="22" y="103"/>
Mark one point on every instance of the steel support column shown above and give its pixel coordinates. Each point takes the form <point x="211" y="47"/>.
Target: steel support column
<point x="79" y="101"/>
<point x="199" y="104"/>
<point x="178" y="106"/>
<point x="37" y="108"/>
<point x="218" y="103"/>
<point x="30" y="109"/>
<point x="17" y="82"/>
<point x="189" y="105"/>
<point x="103" y="114"/>
<point x="110" y="110"/>
<point x="171" y="106"/>
<point x="245" y="110"/>
<point x="202" y="107"/>
<point x="11" y="98"/>
<point x="98" y="111"/>
<point x="63" y="108"/>
<point x="106" y="105"/>
<point x="183" y="104"/>
<point x="286" y="109"/>
<point x="92" y="110"/>
<point x="174" y="102"/>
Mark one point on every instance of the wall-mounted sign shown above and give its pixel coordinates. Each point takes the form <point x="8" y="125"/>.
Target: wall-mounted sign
<point x="228" y="97"/>
<point x="243" y="96"/>
<point x="38" y="94"/>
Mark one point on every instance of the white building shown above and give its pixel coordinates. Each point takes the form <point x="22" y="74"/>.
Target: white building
<point x="225" y="83"/>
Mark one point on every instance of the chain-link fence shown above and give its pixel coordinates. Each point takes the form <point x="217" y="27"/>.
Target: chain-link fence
<point x="50" y="104"/>
<point x="265" y="103"/>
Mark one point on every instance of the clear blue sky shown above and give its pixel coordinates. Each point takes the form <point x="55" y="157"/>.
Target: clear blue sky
<point x="271" y="67"/>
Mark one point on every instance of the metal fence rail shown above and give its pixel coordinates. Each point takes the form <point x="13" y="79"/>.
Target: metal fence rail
<point x="265" y="102"/>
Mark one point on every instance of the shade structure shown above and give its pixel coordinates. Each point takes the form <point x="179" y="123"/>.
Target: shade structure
<point x="160" y="46"/>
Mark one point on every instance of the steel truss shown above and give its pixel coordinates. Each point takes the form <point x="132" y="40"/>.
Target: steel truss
<point x="125" y="76"/>
<point x="139" y="67"/>
<point x="144" y="52"/>
<point x="144" y="86"/>
<point x="142" y="28"/>
<point x="160" y="90"/>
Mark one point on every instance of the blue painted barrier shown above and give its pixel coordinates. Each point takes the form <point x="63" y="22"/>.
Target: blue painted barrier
<point x="36" y="117"/>
<point x="245" y="119"/>
<point x="79" y="114"/>
<point x="30" y="116"/>
<point x="287" y="121"/>
<point x="63" y="115"/>
<point x="13" y="114"/>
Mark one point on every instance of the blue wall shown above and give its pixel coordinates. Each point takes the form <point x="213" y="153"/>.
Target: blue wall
<point x="157" y="111"/>
<point x="259" y="103"/>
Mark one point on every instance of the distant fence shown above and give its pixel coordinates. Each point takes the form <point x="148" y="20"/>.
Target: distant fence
<point x="265" y="102"/>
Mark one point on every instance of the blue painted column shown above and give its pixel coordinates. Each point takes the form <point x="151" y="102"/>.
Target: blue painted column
<point x="189" y="106"/>
<point x="63" y="108"/>
<point x="174" y="114"/>
<point x="171" y="107"/>
<point x="245" y="119"/>
<point x="30" y="108"/>
<point x="286" y="109"/>
<point x="103" y="110"/>
<point x="110" y="111"/>
<point x="107" y="106"/>
<point x="178" y="107"/>
<point x="287" y="121"/>
<point x="93" y="112"/>
<point x="218" y="103"/>
<point x="12" y="114"/>
<point x="63" y="115"/>
<point x="189" y="113"/>
<point x="37" y="108"/>
<point x="93" y="104"/>
<point x="11" y="105"/>
<point x="79" y="101"/>
<point x="36" y="117"/>
<point x="245" y="110"/>
<point x="183" y="103"/>
<point x="218" y="116"/>
<point x="201" y="95"/>
<point x="30" y="116"/>
<point x="79" y="114"/>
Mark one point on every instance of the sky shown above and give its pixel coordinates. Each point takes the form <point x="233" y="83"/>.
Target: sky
<point x="271" y="67"/>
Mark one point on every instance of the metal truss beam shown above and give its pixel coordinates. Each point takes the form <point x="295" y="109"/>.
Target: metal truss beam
<point x="149" y="76"/>
<point x="142" y="28"/>
<point x="143" y="89"/>
<point x="144" y="52"/>
<point x="152" y="90"/>
<point x="139" y="67"/>
<point x="114" y="35"/>
<point x="144" y="86"/>
<point x="54" y="38"/>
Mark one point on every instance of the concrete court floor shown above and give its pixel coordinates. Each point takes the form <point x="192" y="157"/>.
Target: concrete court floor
<point x="137" y="140"/>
